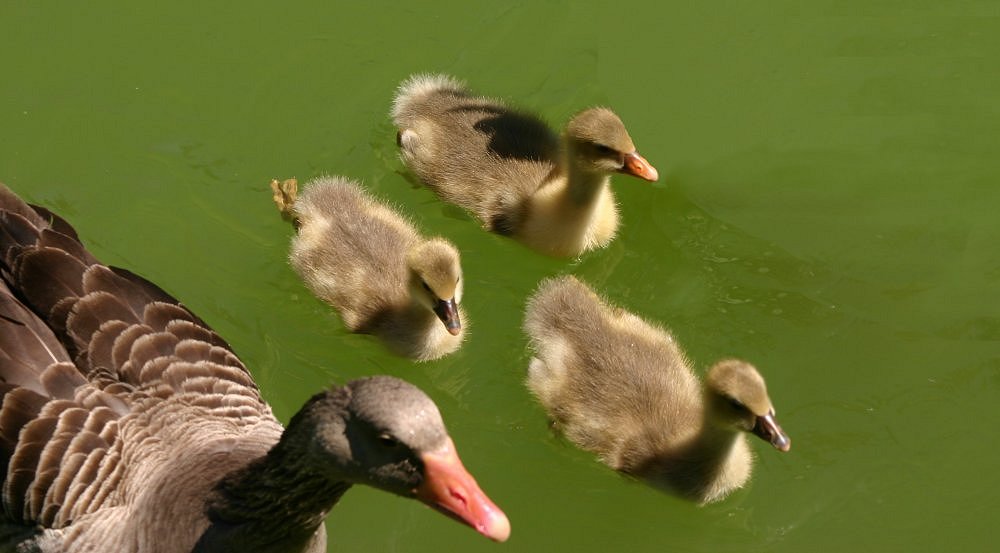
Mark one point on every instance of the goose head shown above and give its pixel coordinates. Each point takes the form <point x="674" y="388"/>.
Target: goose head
<point x="386" y="433"/>
<point x="737" y="399"/>
<point x="436" y="280"/>
<point x="599" y="143"/>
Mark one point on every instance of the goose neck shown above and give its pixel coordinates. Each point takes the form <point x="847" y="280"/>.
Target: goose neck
<point x="271" y="502"/>
<point x="282" y="495"/>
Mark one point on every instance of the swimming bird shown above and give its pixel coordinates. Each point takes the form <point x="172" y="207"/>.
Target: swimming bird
<point x="370" y="263"/>
<point x="622" y="388"/>
<point x="127" y="424"/>
<point x="511" y="170"/>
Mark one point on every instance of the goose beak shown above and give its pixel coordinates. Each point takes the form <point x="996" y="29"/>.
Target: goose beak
<point x="637" y="166"/>
<point x="767" y="428"/>
<point x="450" y="489"/>
<point x="447" y="311"/>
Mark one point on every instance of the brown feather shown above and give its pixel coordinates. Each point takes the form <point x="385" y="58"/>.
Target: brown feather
<point x="21" y="472"/>
<point x="80" y="490"/>
<point x="122" y="350"/>
<point x="152" y="346"/>
<point x="18" y="407"/>
<point x="60" y="380"/>
<point x="69" y="244"/>
<point x="56" y="495"/>
<point x="68" y="423"/>
<point x="158" y="315"/>
<point x="46" y="276"/>
<point x="102" y="343"/>
<point x="91" y="311"/>
<point x="53" y="221"/>
<point x="26" y="345"/>
<point x="98" y="278"/>
<point x="58" y="315"/>
<point x="186" y="329"/>
<point x="16" y="232"/>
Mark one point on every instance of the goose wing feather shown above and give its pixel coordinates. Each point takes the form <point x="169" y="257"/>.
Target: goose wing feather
<point x="93" y="359"/>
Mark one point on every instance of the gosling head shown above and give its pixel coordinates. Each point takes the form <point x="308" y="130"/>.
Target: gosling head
<point x="599" y="143"/>
<point x="737" y="398"/>
<point x="436" y="280"/>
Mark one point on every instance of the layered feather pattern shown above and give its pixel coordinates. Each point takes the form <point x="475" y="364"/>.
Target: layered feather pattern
<point x="96" y="363"/>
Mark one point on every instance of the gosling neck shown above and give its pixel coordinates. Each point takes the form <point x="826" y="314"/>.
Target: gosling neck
<point x="711" y="448"/>
<point x="583" y="187"/>
<point x="420" y="334"/>
<point x="704" y="467"/>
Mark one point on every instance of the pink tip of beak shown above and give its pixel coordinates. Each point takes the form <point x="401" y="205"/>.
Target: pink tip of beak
<point x="449" y="488"/>
<point x="447" y="311"/>
<point x="769" y="429"/>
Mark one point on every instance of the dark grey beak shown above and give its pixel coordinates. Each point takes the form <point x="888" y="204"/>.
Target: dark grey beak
<point x="447" y="311"/>
<point x="767" y="428"/>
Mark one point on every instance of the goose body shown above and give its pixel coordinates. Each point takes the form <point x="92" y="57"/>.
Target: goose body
<point x="372" y="265"/>
<point x="128" y="425"/>
<point x="511" y="170"/>
<point x="623" y="389"/>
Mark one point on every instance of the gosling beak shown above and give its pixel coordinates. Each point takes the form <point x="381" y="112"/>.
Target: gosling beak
<point x="447" y="311"/>
<point x="637" y="166"/>
<point x="450" y="489"/>
<point x="767" y="428"/>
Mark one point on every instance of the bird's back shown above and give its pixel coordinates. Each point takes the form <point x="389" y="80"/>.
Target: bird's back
<point x="473" y="151"/>
<point x="605" y="375"/>
<point x="351" y="250"/>
<point x="120" y="408"/>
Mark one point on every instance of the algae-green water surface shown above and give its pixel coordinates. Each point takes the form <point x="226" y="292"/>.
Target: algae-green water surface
<point x="827" y="209"/>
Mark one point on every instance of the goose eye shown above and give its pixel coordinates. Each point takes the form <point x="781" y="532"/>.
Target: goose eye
<point x="426" y="287"/>
<point x="387" y="440"/>
<point x="735" y="403"/>
<point x="607" y="150"/>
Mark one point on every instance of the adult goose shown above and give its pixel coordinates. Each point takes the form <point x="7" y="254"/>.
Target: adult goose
<point x="623" y="389"/>
<point x="371" y="264"/>
<point x="128" y="425"/>
<point x="511" y="170"/>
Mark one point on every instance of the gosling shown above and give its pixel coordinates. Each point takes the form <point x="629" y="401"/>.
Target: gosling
<point x="374" y="268"/>
<point x="511" y="170"/>
<point x="621" y="388"/>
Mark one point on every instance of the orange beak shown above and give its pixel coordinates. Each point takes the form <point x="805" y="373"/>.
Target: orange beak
<point x="637" y="166"/>
<point x="449" y="488"/>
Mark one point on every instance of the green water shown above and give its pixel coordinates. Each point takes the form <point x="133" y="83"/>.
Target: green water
<point x="829" y="211"/>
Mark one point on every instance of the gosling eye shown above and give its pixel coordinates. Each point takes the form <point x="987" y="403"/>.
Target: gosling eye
<point x="606" y="150"/>
<point x="426" y="287"/>
<point x="388" y="441"/>
<point x="735" y="403"/>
